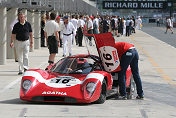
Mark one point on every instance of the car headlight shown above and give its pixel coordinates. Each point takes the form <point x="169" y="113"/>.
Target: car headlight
<point x="26" y="84"/>
<point x="90" y="87"/>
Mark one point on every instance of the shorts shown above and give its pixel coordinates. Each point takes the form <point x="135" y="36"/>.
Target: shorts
<point x="52" y="44"/>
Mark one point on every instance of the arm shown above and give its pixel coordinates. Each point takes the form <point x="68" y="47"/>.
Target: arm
<point x="57" y="38"/>
<point x="31" y="39"/>
<point x="12" y="38"/>
<point x="46" y="38"/>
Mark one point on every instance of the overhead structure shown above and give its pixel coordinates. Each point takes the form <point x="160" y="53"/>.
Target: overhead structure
<point x="62" y="6"/>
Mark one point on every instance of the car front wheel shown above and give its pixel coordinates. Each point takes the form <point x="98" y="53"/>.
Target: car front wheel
<point x="103" y="93"/>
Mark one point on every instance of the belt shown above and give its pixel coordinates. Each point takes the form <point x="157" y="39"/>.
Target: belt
<point x="130" y="49"/>
<point x="67" y="34"/>
<point x="21" y="40"/>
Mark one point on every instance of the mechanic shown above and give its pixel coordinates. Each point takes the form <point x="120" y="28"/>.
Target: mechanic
<point x="128" y="55"/>
<point x="22" y="30"/>
<point x="52" y="37"/>
<point x="67" y="30"/>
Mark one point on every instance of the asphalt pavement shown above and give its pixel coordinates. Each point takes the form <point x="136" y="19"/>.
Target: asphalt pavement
<point x="157" y="69"/>
<point x="159" y="33"/>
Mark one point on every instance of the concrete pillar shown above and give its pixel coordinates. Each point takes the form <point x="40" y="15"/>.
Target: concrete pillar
<point x="30" y="19"/>
<point x="3" y="34"/>
<point x="11" y="20"/>
<point x="37" y="35"/>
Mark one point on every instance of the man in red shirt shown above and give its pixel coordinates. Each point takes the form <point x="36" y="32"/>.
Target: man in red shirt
<point x="128" y="55"/>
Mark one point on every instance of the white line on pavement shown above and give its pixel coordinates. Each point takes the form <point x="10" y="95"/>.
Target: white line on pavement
<point x="17" y="80"/>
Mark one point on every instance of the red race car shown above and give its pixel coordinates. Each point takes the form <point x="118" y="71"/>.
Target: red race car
<point x="73" y="79"/>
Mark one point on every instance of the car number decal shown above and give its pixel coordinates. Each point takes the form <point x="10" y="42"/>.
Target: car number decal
<point x="63" y="81"/>
<point x="109" y="58"/>
<point x="57" y="82"/>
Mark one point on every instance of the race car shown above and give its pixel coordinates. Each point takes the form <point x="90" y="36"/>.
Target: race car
<point x="74" y="79"/>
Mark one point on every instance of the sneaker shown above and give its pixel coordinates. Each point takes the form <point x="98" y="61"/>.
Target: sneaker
<point x="140" y="97"/>
<point x="64" y="55"/>
<point x="122" y="97"/>
<point x="20" y="73"/>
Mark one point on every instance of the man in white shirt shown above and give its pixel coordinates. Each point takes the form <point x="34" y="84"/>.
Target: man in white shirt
<point x="52" y="37"/>
<point x="138" y="22"/>
<point x="67" y="30"/>
<point x="75" y="24"/>
<point x="59" y="22"/>
<point x="89" y="26"/>
<point x="169" y="25"/>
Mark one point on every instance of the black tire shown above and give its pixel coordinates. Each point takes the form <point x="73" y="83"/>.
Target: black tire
<point x="103" y="93"/>
<point x="131" y="89"/>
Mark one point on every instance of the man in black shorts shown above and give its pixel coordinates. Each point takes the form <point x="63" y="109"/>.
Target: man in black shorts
<point x="52" y="37"/>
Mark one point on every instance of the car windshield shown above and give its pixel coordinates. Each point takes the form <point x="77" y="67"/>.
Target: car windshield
<point x="73" y="65"/>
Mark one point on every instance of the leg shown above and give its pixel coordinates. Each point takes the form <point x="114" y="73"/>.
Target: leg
<point x="70" y="46"/>
<point x="52" y="57"/>
<point x="124" y="63"/>
<point x="135" y="72"/>
<point x="25" y="54"/>
<point x="19" y="50"/>
<point x="64" y="46"/>
<point x="15" y="51"/>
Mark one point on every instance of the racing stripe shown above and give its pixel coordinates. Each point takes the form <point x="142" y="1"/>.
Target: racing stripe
<point x="36" y="75"/>
<point x="96" y="76"/>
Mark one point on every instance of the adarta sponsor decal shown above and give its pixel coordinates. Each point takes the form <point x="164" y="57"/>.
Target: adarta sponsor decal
<point x="54" y="93"/>
<point x="134" y="5"/>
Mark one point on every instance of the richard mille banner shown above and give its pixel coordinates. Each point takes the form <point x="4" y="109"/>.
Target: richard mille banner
<point x="135" y="5"/>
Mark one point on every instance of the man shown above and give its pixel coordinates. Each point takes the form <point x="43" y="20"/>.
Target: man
<point x="169" y="25"/>
<point x="67" y="30"/>
<point x="81" y="24"/>
<point x="74" y="21"/>
<point x="22" y="31"/>
<point x="52" y="37"/>
<point x="128" y="55"/>
<point x="89" y="26"/>
<point x="138" y="23"/>
<point x="95" y="25"/>
<point x="59" y="22"/>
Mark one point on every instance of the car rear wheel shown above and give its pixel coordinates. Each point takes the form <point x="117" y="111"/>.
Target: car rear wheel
<point x="131" y="89"/>
<point x="103" y="93"/>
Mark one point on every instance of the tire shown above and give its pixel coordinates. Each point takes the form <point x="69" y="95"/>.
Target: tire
<point x="103" y="93"/>
<point x="131" y="90"/>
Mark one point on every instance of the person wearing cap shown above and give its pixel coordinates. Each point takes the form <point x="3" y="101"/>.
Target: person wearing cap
<point x="52" y="37"/>
<point x="58" y="20"/>
<point x="128" y="55"/>
<point x="67" y="30"/>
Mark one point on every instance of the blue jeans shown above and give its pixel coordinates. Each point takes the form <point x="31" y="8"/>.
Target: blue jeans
<point x="131" y="58"/>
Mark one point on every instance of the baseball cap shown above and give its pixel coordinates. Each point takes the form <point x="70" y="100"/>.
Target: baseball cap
<point x="65" y="17"/>
<point x="58" y="17"/>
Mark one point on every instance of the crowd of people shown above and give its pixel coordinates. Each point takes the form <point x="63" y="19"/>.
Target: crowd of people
<point x="119" y="26"/>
